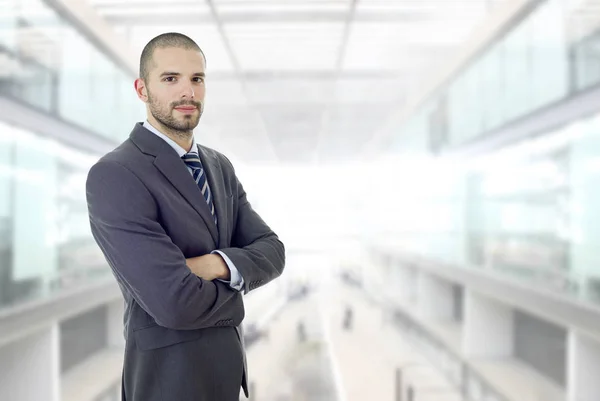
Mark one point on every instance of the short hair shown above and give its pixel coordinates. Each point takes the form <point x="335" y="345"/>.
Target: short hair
<point x="169" y="39"/>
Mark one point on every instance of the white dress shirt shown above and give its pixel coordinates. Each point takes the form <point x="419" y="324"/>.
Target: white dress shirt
<point x="237" y="281"/>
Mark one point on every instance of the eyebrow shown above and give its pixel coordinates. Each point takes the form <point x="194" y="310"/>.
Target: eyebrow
<point x="177" y="74"/>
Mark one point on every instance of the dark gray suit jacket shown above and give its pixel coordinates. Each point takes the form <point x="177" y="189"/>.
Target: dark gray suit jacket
<point x="183" y="337"/>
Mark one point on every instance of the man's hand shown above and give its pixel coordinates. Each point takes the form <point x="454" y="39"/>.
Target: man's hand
<point x="209" y="267"/>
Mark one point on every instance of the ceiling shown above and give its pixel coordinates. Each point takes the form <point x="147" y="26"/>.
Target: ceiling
<point x="303" y="81"/>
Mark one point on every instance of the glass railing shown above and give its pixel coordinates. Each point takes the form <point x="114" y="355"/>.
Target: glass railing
<point x="46" y="246"/>
<point x="527" y="211"/>
<point x="546" y="56"/>
<point x="80" y="264"/>
<point x="46" y="63"/>
<point x="27" y="80"/>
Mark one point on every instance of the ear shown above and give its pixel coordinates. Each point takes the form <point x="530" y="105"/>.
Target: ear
<point x="141" y="90"/>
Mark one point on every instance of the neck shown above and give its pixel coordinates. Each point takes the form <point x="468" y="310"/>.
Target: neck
<point x="181" y="138"/>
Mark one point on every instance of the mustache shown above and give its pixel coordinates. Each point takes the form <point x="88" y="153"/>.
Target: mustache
<point x="197" y="105"/>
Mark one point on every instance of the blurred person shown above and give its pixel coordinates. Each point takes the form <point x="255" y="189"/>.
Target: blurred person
<point x="301" y="331"/>
<point x="348" y="318"/>
<point x="182" y="240"/>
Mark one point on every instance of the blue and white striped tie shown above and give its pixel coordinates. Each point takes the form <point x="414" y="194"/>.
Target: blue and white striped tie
<point x="192" y="160"/>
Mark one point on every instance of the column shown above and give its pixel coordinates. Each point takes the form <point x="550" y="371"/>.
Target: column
<point x="583" y="367"/>
<point x="403" y="282"/>
<point x="488" y="327"/>
<point x="435" y="297"/>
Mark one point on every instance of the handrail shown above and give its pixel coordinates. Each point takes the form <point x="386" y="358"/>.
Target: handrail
<point x="22" y="319"/>
<point x="563" y="309"/>
<point x="433" y="347"/>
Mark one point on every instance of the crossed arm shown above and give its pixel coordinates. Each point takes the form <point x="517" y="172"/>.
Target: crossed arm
<point x="208" y="267"/>
<point x="177" y="293"/>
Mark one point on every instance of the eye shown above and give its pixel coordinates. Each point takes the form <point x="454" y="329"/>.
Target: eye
<point x="169" y="79"/>
<point x="198" y="79"/>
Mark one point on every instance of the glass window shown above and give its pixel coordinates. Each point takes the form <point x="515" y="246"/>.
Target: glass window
<point x="34" y="166"/>
<point x="37" y="85"/>
<point x="492" y="88"/>
<point x="6" y="212"/>
<point x="79" y="256"/>
<point x="464" y="105"/>
<point x="103" y="98"/>
<point x="10" y="68"/>
<point x="456" y="106"/>
<point x="549" y="54"/>
<point x="521" y="215"/>
<point x="472" y="113"/>
<point x="128" y="103"/>
<point x="585" y="198"/>
<point x="8" y="24"/>
<point x="532" y="210"/>
<point x="39" y="33"/>
<point x="525" y="69"/>
<point x="516" y="71"/>
<point x="51" y="66"/>
<point x="587" y="59"/>
<point x="110" y="105"/>
<point x="74" y="90"/>
<point x="45" y="240"/>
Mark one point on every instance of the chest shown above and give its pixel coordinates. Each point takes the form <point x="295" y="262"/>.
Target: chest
<point x="185" y="215"/>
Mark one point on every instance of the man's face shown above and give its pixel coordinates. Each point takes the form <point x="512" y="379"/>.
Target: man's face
<point x="175" y="88"/>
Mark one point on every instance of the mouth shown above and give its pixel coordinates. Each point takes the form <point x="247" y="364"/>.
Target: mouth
<point x="186" y="109"/>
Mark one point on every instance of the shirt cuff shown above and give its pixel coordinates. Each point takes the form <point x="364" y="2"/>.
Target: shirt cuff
<point x="236" y="280"/>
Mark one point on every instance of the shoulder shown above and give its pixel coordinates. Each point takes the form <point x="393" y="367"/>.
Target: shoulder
<point x="124" y="154"/>
<point x="117" y="165"/>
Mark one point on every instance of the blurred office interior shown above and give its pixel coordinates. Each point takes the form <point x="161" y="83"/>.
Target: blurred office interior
<point x="446" y="249"/>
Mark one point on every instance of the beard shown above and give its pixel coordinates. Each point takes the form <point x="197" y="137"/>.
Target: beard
<point x="181" y="127"/>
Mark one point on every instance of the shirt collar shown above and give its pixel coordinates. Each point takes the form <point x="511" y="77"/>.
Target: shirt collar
<point x="180" y="151"/>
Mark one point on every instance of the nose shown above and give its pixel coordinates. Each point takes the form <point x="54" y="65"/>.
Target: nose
<point x="188" y="92"/>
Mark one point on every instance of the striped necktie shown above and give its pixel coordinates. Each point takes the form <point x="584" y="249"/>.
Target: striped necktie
<point x="192" y="160"/>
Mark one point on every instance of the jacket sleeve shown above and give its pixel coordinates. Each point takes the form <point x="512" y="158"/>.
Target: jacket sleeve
<point x="255" y="249"/>
<point x="124" y="222"/>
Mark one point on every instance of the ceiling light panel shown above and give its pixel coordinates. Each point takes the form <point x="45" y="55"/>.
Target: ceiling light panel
<point x="254" y="7"/>
<point x="420" y="6"/>
<point x="286" y="46"/>
<point x="389" y="46"/>
<point x="259" y="3"/>
<point x="140" y="3"/>
<point x="165" y="10"/>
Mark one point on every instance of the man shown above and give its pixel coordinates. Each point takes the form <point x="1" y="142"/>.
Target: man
<point x="175" y="226"/>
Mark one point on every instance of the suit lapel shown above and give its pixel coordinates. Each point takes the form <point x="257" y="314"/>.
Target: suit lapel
<point x="173" y="168"/>
<point x="215" y="181"/>
<point x="177" y="173"/>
